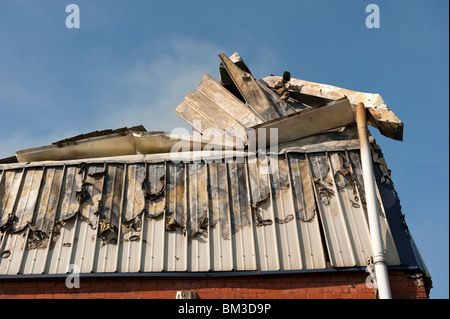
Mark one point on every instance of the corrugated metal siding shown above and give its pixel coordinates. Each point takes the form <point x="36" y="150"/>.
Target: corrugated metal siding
<point x="284" y="212"/>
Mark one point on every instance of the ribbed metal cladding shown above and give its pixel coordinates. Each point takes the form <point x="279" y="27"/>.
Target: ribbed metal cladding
<point x="282" y="212"/>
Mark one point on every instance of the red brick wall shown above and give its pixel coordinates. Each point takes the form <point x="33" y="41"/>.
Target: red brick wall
<point x="343" y="285"/>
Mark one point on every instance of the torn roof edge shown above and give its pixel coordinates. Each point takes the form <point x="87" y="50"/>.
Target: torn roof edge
<point x="380" y="116"/>
<point x="340" y="139"/>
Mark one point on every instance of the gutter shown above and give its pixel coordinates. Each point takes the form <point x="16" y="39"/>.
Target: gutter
<point x="379" y="257"/>
<point x="203" y="274"/>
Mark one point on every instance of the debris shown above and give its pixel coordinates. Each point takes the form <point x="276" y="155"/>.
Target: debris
<point x="36" y="238"/>
<point x="6" y="254"/>
<point x="324" y="189"/>
<point x="287" y="219"/>
<point x="108" y="233"/>
<point x="281" y="87"/>
<point x="259" y="220"/>
<point x="172" y="224"/>
<point x="156" y="215"/>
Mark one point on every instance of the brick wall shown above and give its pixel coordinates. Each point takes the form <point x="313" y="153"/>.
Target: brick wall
<point x="340" y="285"/>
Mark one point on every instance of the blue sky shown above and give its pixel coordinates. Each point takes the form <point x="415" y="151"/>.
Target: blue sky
<point x="132" y="62"/>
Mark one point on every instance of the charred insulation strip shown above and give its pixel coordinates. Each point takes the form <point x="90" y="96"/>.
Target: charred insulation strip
<point x="93" y="188"/>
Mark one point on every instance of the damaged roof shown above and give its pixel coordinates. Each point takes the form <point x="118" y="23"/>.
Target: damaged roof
<point x="258" y="101"/>
<point x="122" y="202"/>
<point x="291" y="211"/>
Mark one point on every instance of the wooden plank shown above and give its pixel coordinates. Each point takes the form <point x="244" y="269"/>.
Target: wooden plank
<point x="379" y="115"/>
<point x="191" y="115"/>
<point x="226" y="101"/>
<point x="282" y="106"/>
<point x="250" y="90"/>
<point x="215" y="114"/>
<point x="310" y="122"/>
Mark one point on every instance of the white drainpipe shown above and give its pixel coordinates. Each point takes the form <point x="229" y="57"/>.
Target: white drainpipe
<point x="379" y="258"/>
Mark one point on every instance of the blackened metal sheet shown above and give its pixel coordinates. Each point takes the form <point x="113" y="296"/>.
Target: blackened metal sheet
<point x="198" y="222"/>
<point x="9" y="190"/>
<point x="153" y="229"/>
<point x="112" y="202"/>
<point x="215" y="114"/>
<point x="380" y="116"/>
<point x="251" y="91"/>
<point x="305" y="205"/>
<point x="28" y="198"/>
<point x="134" y="194"/>
<point x="93" y="187"/>
<point x="258" y="171"/>
<point x="176" y="240"/>
<point x="220" y="223"/>
<point x="241" y="220"/>
<point x="227" y="102"/>
<point x="69" y="203"/>
<point x="48" y="201"/>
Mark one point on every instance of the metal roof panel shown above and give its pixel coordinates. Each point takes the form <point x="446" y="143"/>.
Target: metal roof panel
<point x="281" y="212"/>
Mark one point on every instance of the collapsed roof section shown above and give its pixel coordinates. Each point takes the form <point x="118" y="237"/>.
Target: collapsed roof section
<point x="232" y="108"/>
<point x="119" y="143"/>
<point x="253" y="102"/>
